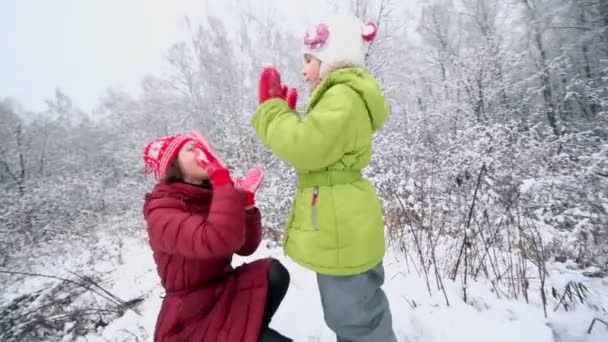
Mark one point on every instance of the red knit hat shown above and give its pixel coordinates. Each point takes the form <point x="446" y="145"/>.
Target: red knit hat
<point x="160" y="153"/>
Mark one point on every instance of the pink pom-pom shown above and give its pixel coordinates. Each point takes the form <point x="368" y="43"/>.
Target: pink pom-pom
<point x="369" y="32"/>
<point x="317" y="39"/>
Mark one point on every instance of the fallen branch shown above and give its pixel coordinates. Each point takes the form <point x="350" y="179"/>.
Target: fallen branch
<point x="412" y="304"/>
<point x="593" y="322"/>
<point x="580" y="289"/>
<point x="128" y="305"/>
<point x="104" y="294"/>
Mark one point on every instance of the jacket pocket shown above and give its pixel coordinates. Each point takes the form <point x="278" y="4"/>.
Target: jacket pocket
<point x="314" y="204"/>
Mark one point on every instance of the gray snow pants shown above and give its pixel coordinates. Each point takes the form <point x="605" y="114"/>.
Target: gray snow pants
<point x="356" y="308"/>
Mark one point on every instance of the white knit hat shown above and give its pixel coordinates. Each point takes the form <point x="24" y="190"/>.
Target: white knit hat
<point x="339" y="41"/>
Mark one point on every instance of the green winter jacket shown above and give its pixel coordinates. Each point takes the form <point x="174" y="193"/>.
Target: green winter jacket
<point x="336" y="225"/>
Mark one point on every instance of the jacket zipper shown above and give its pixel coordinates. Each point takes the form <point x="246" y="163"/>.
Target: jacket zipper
<point x="315" y="199"/>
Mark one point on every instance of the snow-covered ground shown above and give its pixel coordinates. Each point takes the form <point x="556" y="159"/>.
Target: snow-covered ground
<point x="417" y="315"/>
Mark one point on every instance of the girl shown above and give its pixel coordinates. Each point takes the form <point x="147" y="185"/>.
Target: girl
<point x="336" y="226"/>
<point x="197" y="219"/>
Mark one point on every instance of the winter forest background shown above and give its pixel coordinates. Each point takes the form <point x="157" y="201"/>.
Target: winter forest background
<point x="493" y="166"/>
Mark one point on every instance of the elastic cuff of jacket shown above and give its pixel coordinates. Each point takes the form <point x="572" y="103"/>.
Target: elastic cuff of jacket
<point x="249" y="199"/>
<point x="252" y="210"/>
<point x="274" y="100"/>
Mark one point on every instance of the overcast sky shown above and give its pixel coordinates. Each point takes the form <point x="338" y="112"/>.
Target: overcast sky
<point x="85" y="46"/>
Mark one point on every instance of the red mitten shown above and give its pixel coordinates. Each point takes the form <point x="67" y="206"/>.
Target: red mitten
<point x="200" y="139"/>
<point x="250" y="184"/>
<point x="208" y="159"/>
<point x="292" y="98"/>
<point x="270" y="85"/>
<point x="218" y="173"/>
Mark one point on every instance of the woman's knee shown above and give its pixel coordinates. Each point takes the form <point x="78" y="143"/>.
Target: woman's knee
<point x="278" y="275"/>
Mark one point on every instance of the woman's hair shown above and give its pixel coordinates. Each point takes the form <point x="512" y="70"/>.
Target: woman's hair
<point x="174" y="174"/>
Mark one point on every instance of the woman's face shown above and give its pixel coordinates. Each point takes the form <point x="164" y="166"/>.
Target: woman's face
<point x="192" y="171"/>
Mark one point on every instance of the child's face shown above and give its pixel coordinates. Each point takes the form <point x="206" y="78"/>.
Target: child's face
<point x="312" y="70"/>
<point x="190" y="168"/>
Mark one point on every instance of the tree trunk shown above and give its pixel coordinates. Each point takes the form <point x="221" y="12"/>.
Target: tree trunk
<point x="543" y="65"/>
<point x="603" y="7"/>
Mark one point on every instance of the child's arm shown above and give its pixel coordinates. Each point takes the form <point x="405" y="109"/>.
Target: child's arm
<point x="253" y="236"/>
<point x="314" y="142"/>
<point x="174" y="229"/>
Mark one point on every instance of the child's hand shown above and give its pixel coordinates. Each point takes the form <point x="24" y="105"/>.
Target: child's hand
<point x="292" y="98"/>
<point x="250" y="184"/>
<point x="270" y="85"/>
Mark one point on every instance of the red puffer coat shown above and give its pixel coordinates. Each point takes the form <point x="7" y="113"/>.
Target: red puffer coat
<point x="194" y="231"/>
